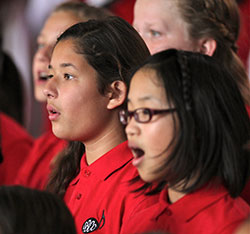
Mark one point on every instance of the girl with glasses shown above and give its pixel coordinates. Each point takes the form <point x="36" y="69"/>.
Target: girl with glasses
<point x="188" y="129"/>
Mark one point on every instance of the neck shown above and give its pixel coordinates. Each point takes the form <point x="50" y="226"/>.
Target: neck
<point x="106" y="142"/>
<point x="174" y="195"/>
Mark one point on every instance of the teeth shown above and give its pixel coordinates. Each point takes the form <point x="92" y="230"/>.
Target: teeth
<point x="43" y="76"/>
<point x="52" y="111"/>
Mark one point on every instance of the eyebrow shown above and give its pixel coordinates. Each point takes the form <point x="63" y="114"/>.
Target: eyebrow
<point x="64" y="65"/>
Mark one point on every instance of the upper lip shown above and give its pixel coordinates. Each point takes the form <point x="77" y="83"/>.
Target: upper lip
<point x="132" y="145"/>
<point x="51" y="109"/>
<point x="135" y="149"/>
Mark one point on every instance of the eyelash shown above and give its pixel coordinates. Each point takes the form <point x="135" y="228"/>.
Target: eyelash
<point x="153" y="33"/>
<point x="40" y="45"/>
<point x="67" y="76"/>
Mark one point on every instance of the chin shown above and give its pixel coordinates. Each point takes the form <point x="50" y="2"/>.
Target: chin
<point x="39" y="96"/>
<point x="57" y="132"/>
<point x="146" y="177"/>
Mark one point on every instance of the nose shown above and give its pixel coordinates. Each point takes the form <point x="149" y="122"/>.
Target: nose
<point x="50" y="90"/>
<point x="44" y="53"/>
<point x="132" y="128"/>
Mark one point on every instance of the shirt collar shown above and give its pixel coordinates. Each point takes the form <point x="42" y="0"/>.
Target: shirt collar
<point x="110" y="162"/>
<point x="191" y="204"/>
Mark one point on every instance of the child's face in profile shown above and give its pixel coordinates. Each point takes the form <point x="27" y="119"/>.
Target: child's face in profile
<point x="149" y="141"/>
<point x="53" y="27"/>
<point x="76" y="108"/>
<point x="161" y="26"/>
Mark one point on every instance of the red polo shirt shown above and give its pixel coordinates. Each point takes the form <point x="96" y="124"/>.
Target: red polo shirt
<point x="37" y="167"/>
<point x="16" y="144"/>
<point x="202" y="212"/>
<point x="100" y="197"/>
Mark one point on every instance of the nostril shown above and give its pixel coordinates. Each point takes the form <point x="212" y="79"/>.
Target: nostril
<point x="47" y="93"/>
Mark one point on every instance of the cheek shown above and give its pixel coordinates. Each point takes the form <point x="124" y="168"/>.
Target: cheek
<point x="71" y="100"/>
<point x="35" y="62"/>
<point x="157" y="46"/>
<point x="159" y="136"/>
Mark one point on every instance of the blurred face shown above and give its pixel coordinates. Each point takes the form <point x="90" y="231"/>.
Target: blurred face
<point x="161" y="26"/>
<point x="76" y="109"/>
<point x="149" y="141"/>
<point x="57" y="23"/>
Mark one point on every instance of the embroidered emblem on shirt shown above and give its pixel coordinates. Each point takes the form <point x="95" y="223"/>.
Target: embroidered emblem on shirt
<point x="91" y="224"/>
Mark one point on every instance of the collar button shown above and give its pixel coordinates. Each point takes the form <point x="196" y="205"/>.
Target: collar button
<point x="78" y="196"/>
<point x="168" y="212"/>
<point x="87" y="173"/>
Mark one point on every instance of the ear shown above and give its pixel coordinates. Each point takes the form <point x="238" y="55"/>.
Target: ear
<point x="117" y="94"/>
<point x="207" y="46"/>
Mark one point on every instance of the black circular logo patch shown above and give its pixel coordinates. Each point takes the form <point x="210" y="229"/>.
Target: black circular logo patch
<point x="90" y="225"/>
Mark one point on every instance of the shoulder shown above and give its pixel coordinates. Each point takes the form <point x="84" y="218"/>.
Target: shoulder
<point x="36" y="168"/>
<point x="10" y="128"/>
<point x="16" y="144"/>
<point x="214" y="213"/>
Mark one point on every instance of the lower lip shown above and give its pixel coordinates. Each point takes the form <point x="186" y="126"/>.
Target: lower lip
<point x="53" y="117"/>
<point x="137" y="161"/>
<point x="40" y="81"/>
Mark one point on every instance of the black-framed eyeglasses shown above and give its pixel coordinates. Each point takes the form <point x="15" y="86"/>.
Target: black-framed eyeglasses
<point x="141" y="115"/>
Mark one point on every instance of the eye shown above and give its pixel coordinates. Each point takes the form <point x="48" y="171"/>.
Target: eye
<point x="145" y="111"/>
<point x="155" y="33"/>
<point x="143" y="114"/>
<point x="40" y="45"/>
<point x="68" y="76"/>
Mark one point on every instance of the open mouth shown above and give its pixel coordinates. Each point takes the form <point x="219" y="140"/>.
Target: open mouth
<point x="137" y="152"/>
<point x="43" y="76"/>
<point x="138" y="156"/>
<point x="53" y="113"/>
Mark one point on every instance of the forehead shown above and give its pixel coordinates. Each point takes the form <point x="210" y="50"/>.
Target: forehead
<point x="64" y="48"/>
<point x="159" y="8"/>
<point x="65" y="52"/>
<point x="145" y="83"/>
<point x="58" y="22"/>
<point x="65" y="56"/>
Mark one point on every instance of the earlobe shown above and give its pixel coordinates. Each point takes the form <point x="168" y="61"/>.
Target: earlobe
<point x="207" y="46"/>
<point x="117" y="94"/>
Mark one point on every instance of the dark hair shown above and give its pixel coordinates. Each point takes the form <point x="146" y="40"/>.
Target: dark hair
<point x="113" y="48"/>
<point x="11" y="91"/>
<point x="28" y="211"/>
<point x="11" y="88"/>
<point x="219" y="20"/>
<point x="210" y="142"/>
